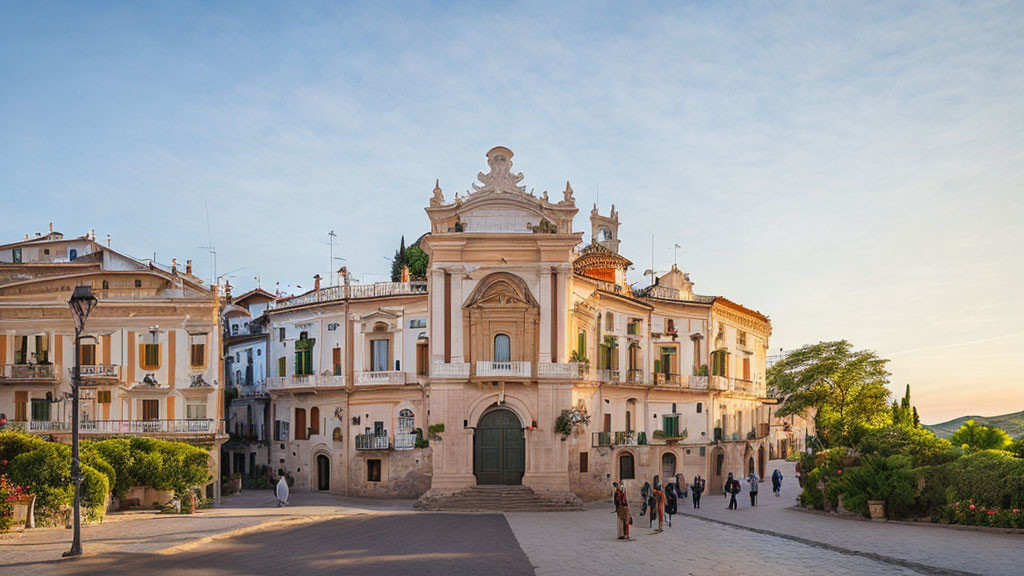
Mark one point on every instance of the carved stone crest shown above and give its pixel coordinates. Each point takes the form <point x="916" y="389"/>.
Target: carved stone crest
<point x="500" y="178"/>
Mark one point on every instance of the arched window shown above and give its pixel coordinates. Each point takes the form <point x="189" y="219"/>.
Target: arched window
<point x="406" y="421"/>
<point x="626" y="471"/>
<point x="106" y="285"/>
<point x="502" y="348"/>
<point x="668" y="465"/>
<point x="314" y="420"/>
<point x="336" y="435"/>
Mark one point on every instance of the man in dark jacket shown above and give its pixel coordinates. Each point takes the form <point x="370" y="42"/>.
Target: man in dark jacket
<point x="732" y="488"/>
<point x="697" y="488"/>
<point x="776" y="482"/>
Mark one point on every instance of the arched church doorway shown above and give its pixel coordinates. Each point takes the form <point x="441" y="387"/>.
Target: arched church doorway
<point x="323" y="472"/>
<point x="761" y="462"/>
<point x="499" y="448"/>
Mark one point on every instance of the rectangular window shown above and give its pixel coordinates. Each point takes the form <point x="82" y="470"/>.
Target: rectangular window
<point x="718" y="363"/>
<point x="633" y="327"/>
<point x="20" y="406"/>
<point x="373" y="470"/>
<point x="746" y="368"/>
<point x="336" y="360"/>
<point x="670" y="425"/>
<point x="379" y="355"/>
<point x="16" y="255"/>
<point x="198" y="355"/>
<point x="422" y="358"/>
<point x="103" y="396"/>
<point x="670" y="325"/>
<point x="741" y="338"/>
<point x="584" y="462"/>
<point x="277" y="430"/>
<point x="700" y="407"/>
<point x="195" y="411"/>
<point x="150" y="356"/>
<point x="21" y="349"/>
<point x="40" y="409"/>
<point x="607" y="423"/>
<point x="281" y="334"/>
<point x="42" y="355"/>
<point x="234" y="329"/>
<point x="87" y="354"/>
<point x="150" y="409"/>
<point x="300" y="424"/>
<point x="282" y="366"/>
<point x="418" y="323"/>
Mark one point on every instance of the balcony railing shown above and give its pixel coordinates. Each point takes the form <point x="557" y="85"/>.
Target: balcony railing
<point x="357" y="291"/>
<point x="372" y="442"/>
<point x="381" y="377"/>
<point x="513" y="369"/>
<point x="257" y="390"/>
<point x="601" y="439"/>
<point x="607" y="375"/>
<point x="305" y="381"/>
<point x="183" y="426"/>
<point x="97" y="371"/>
<point x="635" y="376"/>
<point x="449" y="370"/>
<point x="720" y="383"/>
<point x="28" y="372"/>
<point x="405" y="441"/>
<point x="552" y="370"/>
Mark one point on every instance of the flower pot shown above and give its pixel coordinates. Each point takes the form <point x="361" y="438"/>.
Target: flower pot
<point x="877" y="509"/>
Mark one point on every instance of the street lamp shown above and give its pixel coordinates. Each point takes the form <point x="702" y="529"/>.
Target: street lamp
<point x="81" y="304"/>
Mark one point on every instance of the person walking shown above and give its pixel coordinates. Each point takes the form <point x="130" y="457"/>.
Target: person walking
<point x="777" y="482"/>
<point x="659" y="504"/>
<point x="622" y="517"/>
<point x="645" y="498"/>
<point x="697" y="488"/>
<point x="671" y="501"/>
<point x="753" y="480"/>
<point x="732" y="488"/>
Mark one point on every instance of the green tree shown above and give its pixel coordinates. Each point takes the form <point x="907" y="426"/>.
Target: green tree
<point x="413" y="257"/>
<point x="398" y="262"/>
<point x="976" y="436"/>
<point x="846" y="386"/>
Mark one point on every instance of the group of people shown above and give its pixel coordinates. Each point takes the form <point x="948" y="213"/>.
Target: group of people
<point x="657" y="502"/>
<point x="662" y="502"/>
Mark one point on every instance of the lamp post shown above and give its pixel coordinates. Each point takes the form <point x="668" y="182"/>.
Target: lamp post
<point x="81" y="304"/>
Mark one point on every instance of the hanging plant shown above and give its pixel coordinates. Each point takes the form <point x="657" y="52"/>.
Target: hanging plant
<point x="563" y="424"/>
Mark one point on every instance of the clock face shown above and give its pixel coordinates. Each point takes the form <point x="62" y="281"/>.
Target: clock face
<point x="604" y="234"/>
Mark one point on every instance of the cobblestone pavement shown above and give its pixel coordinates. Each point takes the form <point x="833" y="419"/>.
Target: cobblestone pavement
<point x="940" y="547"/>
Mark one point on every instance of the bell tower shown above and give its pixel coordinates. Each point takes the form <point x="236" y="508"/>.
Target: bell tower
<point x="604" y="230"/>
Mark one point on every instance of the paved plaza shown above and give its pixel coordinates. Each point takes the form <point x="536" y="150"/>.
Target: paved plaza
<point x="324" y="534"/>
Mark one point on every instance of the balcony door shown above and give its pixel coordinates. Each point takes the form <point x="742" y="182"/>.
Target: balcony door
<point x="379" y="355"/>
<point x="150" y="409"/>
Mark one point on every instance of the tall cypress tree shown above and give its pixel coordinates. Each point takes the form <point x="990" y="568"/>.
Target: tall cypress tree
<point x="398" y="262"/>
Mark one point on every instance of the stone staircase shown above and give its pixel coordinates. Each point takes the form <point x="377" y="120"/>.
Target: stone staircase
<point x="499" y="499"/>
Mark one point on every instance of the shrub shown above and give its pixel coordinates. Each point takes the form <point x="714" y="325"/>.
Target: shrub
<point x="920" y="444"/>
<point x="116" y="452"/>
<point x="888" y="478"/>
<point x="15" y="442"/>
<point x="45" y="471"/>
<point x="978" y="437"/>
<point x="1017" y="447"/>
<point x="990" y="478"/>
<point x="94" y="490"/>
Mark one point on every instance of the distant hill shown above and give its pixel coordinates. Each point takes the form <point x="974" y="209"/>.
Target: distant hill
<point x="1012" y="423"/>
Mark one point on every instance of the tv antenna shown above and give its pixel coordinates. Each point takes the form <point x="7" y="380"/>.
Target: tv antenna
<point x="211" y="248"/>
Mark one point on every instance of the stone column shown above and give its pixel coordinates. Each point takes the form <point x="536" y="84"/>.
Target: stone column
<point x="456" y="327"/>
<point x="437" y="326"/>
<point x="546" y="305"/>
<point x="562" y="291"/>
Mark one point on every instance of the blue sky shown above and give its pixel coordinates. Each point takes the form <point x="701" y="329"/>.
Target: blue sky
<point x="853" y="171"/>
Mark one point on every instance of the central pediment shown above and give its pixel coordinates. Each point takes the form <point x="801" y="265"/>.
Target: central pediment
<point x="500" y="204"/>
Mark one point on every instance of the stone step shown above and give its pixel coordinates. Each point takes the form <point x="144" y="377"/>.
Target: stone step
<point x="498" y="498"/>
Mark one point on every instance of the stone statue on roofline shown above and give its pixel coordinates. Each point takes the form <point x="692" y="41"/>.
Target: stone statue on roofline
<point x="567" y="194"/>
<point x="438" y="198"/>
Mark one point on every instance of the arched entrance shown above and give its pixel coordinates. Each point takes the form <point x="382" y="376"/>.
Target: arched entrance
<point x="668" y="467"/>
<point x="760" y="462"/>
<point x="499" y="448"/>
<point x="323" y="472"/>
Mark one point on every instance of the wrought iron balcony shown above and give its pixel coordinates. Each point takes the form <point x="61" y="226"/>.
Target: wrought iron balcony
<point x="513" y="369"/>
<point x="405" y="441"/>
<point x="97" y="371"/>
<point x="607" y="375"/>
<point x="180" y="426"/>
<point x="381" y="377"/>
<point x="31" y="372"/>
<point x="372" y="442"/>
<point x="602" y="439"/>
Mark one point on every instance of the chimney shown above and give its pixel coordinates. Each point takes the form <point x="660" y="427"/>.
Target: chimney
<point x="316" y="283"/>
<point x="188" y="267"/>
<point x="51" y="227"/>
<point x="108" y="240"/>
<point x="92" y="234"/>
<point x="174" y="265"/>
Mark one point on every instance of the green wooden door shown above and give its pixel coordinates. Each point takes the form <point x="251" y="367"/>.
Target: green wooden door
<point x="500" y="449"/>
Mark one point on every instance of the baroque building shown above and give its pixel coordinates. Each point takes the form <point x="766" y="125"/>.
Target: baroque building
<point x="150" y="356"/>
<point x="524" y="358"/>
